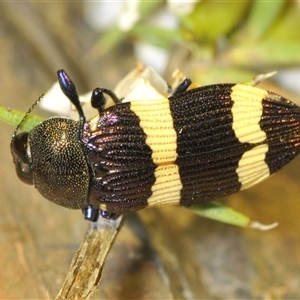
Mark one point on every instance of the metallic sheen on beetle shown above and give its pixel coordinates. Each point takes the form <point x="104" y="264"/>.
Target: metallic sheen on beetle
<point x="193" y="146"/>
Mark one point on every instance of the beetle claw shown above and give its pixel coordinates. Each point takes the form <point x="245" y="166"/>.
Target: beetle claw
<point x="90" y="213"/>
<point x="108" y="215"/>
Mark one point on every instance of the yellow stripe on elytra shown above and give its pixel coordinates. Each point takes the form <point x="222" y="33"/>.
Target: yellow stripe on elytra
<point x="157" y="122"/>
<point x="247" y="110"/>
<point x="167" y="187"/>
<point x="252" y="167"/>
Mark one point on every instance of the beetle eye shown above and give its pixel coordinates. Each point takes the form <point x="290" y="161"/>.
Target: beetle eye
<point x="19" y="144"/>
<point x="18" y="149"/>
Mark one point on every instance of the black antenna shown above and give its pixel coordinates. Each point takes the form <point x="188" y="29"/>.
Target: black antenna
<point x="69" y="89"/>
<point x="27" y="114"/>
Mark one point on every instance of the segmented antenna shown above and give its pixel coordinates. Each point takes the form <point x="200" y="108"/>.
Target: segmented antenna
<point x="27" y="114"/>
<point x="69" y="89"/>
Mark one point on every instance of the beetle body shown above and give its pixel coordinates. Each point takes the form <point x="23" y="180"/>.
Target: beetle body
<point x="193" y="146"/>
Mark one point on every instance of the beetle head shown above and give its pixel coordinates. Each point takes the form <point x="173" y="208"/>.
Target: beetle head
<point x="51" y="156"/>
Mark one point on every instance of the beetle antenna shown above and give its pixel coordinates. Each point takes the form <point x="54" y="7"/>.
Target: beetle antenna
<point x="69" y="89"/>
<point x="26" y="115"/>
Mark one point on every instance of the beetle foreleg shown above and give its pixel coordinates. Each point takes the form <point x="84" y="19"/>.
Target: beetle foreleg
<point x="182" y="86"/>
<point x="98" y="99"/>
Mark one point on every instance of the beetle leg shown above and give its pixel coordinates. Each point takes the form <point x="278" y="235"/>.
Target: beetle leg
<point x="186" y="205"/>
<point x="90" y="213"/>
<point x="108" y="215"/>
<point x="98" y="99"/>
<point x="182" y="87"/>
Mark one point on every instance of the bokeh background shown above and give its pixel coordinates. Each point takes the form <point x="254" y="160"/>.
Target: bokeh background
<point x="163" y="253"/>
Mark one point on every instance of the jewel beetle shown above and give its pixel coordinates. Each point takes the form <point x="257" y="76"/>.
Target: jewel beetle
<point x="193" y="146"/>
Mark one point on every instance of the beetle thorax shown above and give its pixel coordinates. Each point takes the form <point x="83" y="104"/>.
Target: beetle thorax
<point x="60" y="169"/>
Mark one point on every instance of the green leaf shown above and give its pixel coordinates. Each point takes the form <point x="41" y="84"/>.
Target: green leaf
<point x="109" y="40"/>
<point x="14" y="117"/>
<point x="269" y="53"/>
<point x="220" y="74"/>
<point x="221" y="213"/>
<point x="147" y="8"/>
<point x="225" y="214"/>
<point x="274" y="43"/>
<point x="158" y="36"/>
<point x="211" y="19"/>
<point x="287" y="27"/>
<point x="262" y="16"/>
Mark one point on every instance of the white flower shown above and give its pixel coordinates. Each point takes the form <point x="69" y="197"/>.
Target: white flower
<point x="181" y="8"/>
<point x="129" y="15"/>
